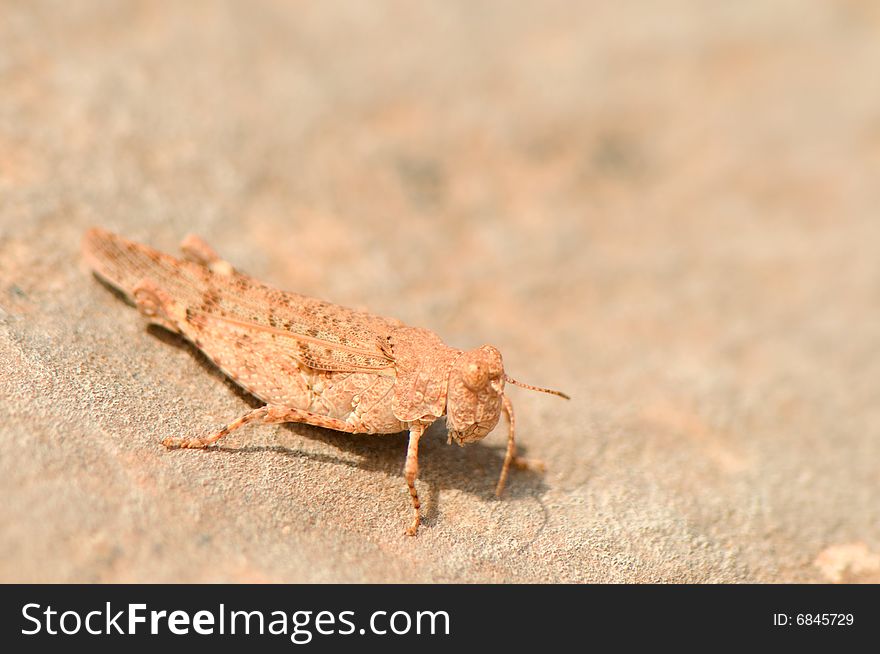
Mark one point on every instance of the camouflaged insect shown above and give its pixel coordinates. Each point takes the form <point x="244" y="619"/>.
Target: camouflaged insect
<point x="311" y="361"/>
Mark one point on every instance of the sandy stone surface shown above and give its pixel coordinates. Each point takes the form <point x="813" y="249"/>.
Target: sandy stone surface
<point x="667" y="209"/>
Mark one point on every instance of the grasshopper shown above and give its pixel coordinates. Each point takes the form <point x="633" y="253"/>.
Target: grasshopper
<point x="311" y="361"/>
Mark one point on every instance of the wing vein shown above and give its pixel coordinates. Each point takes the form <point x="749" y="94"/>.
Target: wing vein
<point x="372" y="354"/>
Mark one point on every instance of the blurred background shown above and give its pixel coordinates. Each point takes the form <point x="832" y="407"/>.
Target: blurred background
<point x="667" y="209"/>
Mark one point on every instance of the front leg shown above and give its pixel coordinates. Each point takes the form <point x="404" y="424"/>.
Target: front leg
<point x="510" y="457"/>
<point x="411" y="471"/>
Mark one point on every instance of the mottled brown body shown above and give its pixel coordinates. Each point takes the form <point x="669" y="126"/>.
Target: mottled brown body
<point x="310" y="361"/>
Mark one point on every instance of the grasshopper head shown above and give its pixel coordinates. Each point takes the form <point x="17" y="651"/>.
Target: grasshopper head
<point x="474" y="399"/>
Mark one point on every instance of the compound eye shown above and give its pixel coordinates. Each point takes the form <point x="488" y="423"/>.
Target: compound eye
<point x="475" y="375"/>
<point x="492" y="357"/>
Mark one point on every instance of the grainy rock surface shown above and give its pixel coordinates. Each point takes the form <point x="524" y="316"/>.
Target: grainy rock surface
<point x="667" y="209"/>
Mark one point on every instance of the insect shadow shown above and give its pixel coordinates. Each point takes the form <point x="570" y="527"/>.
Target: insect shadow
<point x="473" y="469"/>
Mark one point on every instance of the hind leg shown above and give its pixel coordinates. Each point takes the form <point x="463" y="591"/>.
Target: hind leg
<point x="195" y="249"/>
<point x="157" y="306"/>
<point x="265" y="415"/>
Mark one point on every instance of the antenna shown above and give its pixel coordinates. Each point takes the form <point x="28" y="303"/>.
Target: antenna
<point x="536" y="388"/>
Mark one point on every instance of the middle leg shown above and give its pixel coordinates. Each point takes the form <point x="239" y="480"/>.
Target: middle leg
<point x="411" y="471"/>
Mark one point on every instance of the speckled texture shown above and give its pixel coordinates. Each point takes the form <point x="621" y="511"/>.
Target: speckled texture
<point x="666" y="209"/>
